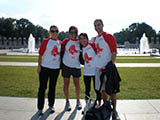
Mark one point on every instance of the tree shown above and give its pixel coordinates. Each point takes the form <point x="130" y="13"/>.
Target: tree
<point x="133" y="31"/>
<point x="40" y="32"/>
<point x="24" y="27"/>
<point x="62" y="35"/>
<point x="7" y="27"/>
<point x="10" y="27"/>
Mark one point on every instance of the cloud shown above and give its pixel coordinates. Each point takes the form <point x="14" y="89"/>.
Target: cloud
<point x="116" y="14"/>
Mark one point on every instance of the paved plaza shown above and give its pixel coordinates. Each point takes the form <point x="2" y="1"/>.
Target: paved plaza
<point x="20" y="108"/>
<point x="17" y="108"/>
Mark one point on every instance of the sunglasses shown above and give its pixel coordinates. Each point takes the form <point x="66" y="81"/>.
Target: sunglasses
<point x="53" y="31"/>
<point x="73" y="32"/>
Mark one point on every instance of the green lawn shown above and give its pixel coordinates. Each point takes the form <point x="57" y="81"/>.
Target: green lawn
<point x="120" y="59"/>
<point x="137" y="83"/>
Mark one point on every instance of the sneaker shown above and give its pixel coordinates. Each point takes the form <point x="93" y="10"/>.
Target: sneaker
<point x="78" y="106"/>
<point x="67" y="106"/>
<point x="115" y="116"/>
<point x="51" y="110"/>
<point x="86" y="101"/>
<point x="37" y="115"/>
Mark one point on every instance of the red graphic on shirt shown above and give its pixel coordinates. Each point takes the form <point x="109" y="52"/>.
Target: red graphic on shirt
<point x="54" y="51"/>
<point x="87" y="58"/>
<point x="72" y="49"/>
<point x="98" y="48"/>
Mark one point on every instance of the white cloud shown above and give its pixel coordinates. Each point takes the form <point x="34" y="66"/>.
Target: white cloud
<point x="116" y="14"/>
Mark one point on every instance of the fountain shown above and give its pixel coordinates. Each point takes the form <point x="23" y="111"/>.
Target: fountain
<point x="31" y="44"/>
<point x="144" y="45"/>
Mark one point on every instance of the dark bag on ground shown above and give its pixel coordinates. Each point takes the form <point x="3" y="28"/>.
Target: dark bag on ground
<point x="102" y="113"/>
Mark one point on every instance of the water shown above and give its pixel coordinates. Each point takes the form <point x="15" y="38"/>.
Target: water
<point x="31" y="44"/>
<point x="144" y="45"/>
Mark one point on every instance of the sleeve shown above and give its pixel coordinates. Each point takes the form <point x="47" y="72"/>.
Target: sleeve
<point x="43" y="46"/>
<point x="63" y="43"/>
<point x="111" y="42"/>
<point x="93" y="46"/>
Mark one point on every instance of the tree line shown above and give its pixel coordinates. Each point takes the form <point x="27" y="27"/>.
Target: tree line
<point x="134" y="31"/>
<point x="10" y="27"/>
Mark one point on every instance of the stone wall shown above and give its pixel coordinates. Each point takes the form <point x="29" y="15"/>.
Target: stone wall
<point x="16" y="43"/>
<point x="152" y="44"/>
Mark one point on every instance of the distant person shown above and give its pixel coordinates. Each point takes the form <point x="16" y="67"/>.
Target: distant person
<point x="48" y="69"/>
<point x="105" y="61"/>
<point x="71" y="65"/>
<point x="89" y="53"/>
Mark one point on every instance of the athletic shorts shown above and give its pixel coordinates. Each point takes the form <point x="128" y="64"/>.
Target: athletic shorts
<point x="67" y="71"/>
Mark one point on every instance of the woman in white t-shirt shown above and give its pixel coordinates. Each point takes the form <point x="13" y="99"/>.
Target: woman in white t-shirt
<point x="89" y="54"/>
<point x="48" y="69"/>
<point x="71" y="65"/>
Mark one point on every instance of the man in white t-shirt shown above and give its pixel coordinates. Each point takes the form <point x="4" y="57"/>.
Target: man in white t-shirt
<point x="106" y="51"/>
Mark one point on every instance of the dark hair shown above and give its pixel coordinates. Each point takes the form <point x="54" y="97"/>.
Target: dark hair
<point x="100" y="20"/>
<point x="83" y="34"/>
<point x="53" y="26"/>
<point x="73" y="28"/>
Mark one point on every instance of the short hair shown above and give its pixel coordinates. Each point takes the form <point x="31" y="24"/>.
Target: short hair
<point x="83" y="34"/>
<point x="100" y="20"/>
<point x="53" y="26"/>
<point x="73" y="28"/>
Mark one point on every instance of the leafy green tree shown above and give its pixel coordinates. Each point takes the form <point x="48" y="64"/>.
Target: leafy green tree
<point x="133" y="31"/>
<point x="24" y="27"/>
<point x="7" y="27"/>
<point x="40" y="32"/>
<point x="62" y="35"/>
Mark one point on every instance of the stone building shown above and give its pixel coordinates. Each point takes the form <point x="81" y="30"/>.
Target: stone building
<point x="17" y="43"/>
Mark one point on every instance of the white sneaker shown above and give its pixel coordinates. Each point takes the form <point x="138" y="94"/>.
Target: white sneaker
<point x="115" y="116"/>
<point x="67" y="106"/>
<point x="51" y="110"/>
<point x="79" y="106"/>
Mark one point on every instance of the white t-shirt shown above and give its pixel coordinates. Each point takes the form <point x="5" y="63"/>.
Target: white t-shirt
<point x="50" y="52"/>
<point x="89" y="54"/>
<point x="105" y="45"/>
<point x="71" y="53"/>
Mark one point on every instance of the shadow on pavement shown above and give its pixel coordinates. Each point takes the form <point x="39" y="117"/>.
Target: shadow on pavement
<point x="73" y="114"/>
<point x="45" y="115"/>
<point x="60" y="115"/>
<point x="36" y="116"/>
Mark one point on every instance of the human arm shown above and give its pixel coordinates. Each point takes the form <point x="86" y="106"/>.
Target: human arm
<point x="39" y="64"/>
<point x="114" y="54"/>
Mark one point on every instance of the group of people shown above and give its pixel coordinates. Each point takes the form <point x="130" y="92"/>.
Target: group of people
<point x="68" y="55"/>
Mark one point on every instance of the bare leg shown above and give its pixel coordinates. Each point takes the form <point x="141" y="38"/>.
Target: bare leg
<point x="66" y="88"/>
<point x="114" y="101"/>
<point x="104" y="95"/>
<point x="77" y="87"/>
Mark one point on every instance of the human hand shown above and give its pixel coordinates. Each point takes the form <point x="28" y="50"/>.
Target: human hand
<point x="38" y="69"/>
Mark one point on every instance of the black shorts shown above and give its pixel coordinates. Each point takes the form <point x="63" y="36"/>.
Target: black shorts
<point x="67" y="71"/>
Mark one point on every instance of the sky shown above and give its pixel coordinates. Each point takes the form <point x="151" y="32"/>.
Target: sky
<point x="116" y="14"/>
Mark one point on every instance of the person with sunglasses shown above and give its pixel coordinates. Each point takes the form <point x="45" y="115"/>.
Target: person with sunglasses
<point x="48" y="69"/>
<point x="71" y="65"/>
<point x="89" y="54"/>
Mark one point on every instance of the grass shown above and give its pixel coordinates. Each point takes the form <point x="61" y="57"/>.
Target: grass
<point x="153" y="60"/>
<point x="120" y="59"/>
<point x="137" y="83"/>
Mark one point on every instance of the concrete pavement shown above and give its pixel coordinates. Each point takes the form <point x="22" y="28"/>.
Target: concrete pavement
<point x="117" y="64"/>
<point x="18" y="108"/>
